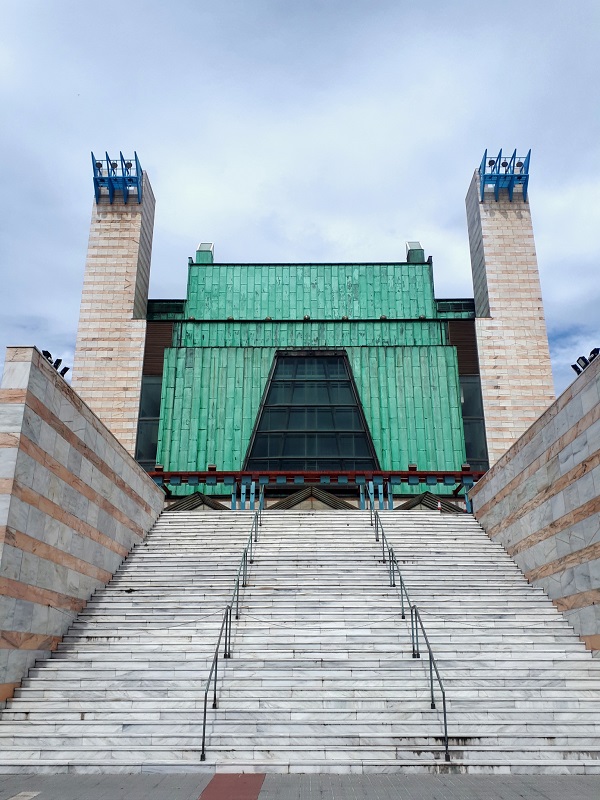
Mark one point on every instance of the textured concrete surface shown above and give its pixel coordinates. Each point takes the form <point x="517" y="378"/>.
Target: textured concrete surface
<point x="305" y="787"/>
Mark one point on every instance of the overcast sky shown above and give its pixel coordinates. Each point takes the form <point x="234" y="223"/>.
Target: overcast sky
<point x="296" y="130"/>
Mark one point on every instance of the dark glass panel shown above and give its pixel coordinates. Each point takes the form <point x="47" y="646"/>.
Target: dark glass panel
<point x="324" y="419"/>
<point x="147" y="440"/>
<point x="150" y="396"/>
<point x="475" y="439"/>
<point x="346" y="419"/>
<point x="308" y="419"/>
<point x="470" y="395"/>
<point x="279" y="394"/>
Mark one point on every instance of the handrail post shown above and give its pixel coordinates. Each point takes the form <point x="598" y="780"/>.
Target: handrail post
<point x="203" y="753"/>
<point x="447" y="753"/>
<point x="215" y="681"/>
<point x="402" y="592"/>
<point x="431" y="679"/>
<point x="383" y="544"/>
<point x="255" y="526"/>
<point x="237" y="598"/>
<point x="414" y="632"/>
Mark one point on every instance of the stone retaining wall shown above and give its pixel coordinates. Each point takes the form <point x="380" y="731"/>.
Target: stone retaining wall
<point x="72" y="504"/>
<point x="541" y="501"/>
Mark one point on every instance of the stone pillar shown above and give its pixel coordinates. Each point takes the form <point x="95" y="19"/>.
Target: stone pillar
<point x="514" y="359"/>
<point x="107" y="369"/>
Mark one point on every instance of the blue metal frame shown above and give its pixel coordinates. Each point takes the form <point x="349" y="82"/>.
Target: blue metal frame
<point x="504" y="174"/>
<point x="117" y="176"/>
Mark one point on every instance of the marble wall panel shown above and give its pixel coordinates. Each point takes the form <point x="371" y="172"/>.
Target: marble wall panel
<point x="541" y="501"/>
<point x="72" y="504"/>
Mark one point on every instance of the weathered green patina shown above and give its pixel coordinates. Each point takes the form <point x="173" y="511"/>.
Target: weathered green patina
<point x="384" y="316"/>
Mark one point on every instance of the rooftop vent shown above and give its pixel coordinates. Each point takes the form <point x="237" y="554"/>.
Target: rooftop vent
<point x="415" y="253"/>
<point x="205" y="253"/>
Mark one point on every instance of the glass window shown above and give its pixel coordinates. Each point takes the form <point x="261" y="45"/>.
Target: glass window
<point x="311" y="419"/>
<point x="473" y="422"/>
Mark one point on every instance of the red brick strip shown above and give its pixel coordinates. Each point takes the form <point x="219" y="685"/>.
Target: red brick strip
<point x="234" y="786"/>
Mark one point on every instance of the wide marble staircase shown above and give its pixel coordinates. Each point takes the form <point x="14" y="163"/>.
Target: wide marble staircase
<point x="322" y="676"/>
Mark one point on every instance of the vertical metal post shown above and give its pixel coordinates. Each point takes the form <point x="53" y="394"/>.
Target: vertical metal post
<point x="252" y="495"/>
<point x="244" y="567"/>
<point x="468" y="504"/>
<point x="215" y="704"/>
<point x="227" y="623"/>
<point x="255" y="525"/>
<point x="203" y="753"/>
<point x="431" y="679"/>
<point x="361" y="495"/>
<point x="237" y="599"/>
<point x="383" y="544"/>
<point x="371" y="491"/>
<point x="402" y="590"/>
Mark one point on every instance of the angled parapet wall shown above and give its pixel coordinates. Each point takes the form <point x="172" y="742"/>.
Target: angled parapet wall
<point x="514" y="358"/>
<point x="541" y="501"/>
<point x="72" y="505"/>
<point x="107" y="369"/>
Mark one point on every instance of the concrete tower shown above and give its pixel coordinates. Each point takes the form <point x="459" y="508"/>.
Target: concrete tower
<point x="514" y="360"/>
<point x="107" y="370"/>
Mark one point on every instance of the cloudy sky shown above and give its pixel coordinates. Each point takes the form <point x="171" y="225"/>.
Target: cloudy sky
<point x="296" y="130"/>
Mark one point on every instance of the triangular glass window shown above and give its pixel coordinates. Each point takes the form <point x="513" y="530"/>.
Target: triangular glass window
<point x="311" y="418"/>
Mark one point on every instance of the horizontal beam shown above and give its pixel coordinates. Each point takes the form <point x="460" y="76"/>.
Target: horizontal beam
<point x="465" y="477"/>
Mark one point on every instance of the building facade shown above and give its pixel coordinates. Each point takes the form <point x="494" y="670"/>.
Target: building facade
<point x="318" y="367"/>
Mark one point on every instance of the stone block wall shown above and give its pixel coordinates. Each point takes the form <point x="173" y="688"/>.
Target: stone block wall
<point x="111" y="336"/>
<point x="541" y="501"/>
<point x="72" y="505"/>
<point x="514" y="358"/>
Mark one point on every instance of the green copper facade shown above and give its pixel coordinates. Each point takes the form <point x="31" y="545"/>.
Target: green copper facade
<point x="383" y="316"/>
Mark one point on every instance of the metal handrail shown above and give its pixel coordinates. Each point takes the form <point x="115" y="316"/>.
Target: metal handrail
<point x="415" y="619"/>
<point x="226" y="625"/>
<point x="214" y="670"/>
<point x="415" y="623"/>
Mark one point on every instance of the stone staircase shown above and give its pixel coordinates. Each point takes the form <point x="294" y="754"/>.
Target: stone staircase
<point x="322" y="676"/>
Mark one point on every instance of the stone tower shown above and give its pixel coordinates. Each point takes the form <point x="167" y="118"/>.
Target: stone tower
<point x="107" y="370"/>
<point x="514" y="359"/>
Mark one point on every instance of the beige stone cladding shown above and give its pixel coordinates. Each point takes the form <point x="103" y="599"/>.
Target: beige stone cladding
<point x="107" y="370"/>
<point x="514" y="359"/>
<point x="73" y="503"/>
<point x="541" y="501"/>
